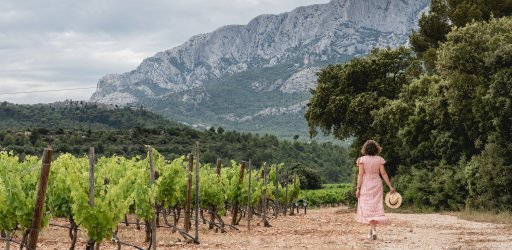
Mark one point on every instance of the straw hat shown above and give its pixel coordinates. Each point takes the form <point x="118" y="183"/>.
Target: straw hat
<point x="393" y="200"/>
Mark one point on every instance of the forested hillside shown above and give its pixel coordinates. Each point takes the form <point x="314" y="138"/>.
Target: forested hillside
<point x="26" y="129"/>
<point x="442" y="110"/>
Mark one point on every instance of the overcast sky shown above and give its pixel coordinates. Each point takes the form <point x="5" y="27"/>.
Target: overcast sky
<point x="70" y="44"/>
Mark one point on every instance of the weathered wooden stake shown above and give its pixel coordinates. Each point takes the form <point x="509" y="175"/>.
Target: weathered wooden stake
<point x="292" y="209"/>
<point x="219" y="166"/>
<point x="249" y="210"/>
<point x="189" y="192"/>
<point x="276" y="212"/>
<point x="152" y="182"/>
<point x="213" y="208"/>
<point x="41" y="194"/>
<point x="286" y="203"/>
<point x="8" y="240"/>
<point x="91" y="176"/>
<point x="197" y="196"/>
<point x="91" y="243"/>
<point x="236" y="205"/>
<point x="265" y="177"/>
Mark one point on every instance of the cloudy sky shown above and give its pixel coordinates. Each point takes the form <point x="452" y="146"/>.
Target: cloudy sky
<point x="69" y="44"/>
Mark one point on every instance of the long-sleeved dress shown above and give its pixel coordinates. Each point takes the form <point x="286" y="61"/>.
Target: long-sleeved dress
<point x="370" y="205"/>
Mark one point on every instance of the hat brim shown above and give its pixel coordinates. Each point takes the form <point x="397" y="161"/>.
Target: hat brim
<point x="396" y="203"/>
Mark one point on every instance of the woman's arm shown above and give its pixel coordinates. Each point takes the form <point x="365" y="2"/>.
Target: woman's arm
<point x="386" y="178"/>
<point x="359" y="179"/>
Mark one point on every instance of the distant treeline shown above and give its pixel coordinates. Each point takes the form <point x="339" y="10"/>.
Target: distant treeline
<point x="27" y="129"/>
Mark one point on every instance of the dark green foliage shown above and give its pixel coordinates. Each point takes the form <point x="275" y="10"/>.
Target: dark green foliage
<point x="96" y="127"/>
<point x="89" y="116"/>
<point x="309" y="178"/>
<point x="348" y="96"/>
<point x="446" y="14"/>
<point x="461" y="113"/>
<point x="446" y="134"/>
<point x="489" y="180"/>
<point x="441" y="187"/>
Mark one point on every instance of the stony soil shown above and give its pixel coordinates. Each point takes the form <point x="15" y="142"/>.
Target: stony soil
<point x="325" y="228"/>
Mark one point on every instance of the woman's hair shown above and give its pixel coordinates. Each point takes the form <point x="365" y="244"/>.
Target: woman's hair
<point x="371" y="147"/>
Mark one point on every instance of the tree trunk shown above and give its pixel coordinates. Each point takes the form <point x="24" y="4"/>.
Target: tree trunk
<point x="73" y="232"/>
<point x="148" y="231"/>
<point x="211" y="211"/>
<point x="90" y="245"/>
<point x="126" y="220"/>
<point x="24" y="239"/>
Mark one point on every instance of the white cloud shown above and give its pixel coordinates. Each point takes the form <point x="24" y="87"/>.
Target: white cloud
<point x="62" y="44"/>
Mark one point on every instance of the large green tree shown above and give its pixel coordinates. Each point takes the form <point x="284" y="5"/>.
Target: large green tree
<point x="348" y="95"/>
<point x="461" y="121"/>
<point x="444" y="15"/>
<point x="448" y="131"/>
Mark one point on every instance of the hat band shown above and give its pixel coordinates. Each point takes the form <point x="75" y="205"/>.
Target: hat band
<point x="393" y="203"/>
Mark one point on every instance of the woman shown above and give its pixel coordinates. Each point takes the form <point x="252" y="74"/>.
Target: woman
<point x="370" y="205"/>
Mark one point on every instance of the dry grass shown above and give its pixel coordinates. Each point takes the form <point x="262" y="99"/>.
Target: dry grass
<point x="485" y="216"/>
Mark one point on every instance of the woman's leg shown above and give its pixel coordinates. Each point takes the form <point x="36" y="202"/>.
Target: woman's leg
<point x="373" y="228"/>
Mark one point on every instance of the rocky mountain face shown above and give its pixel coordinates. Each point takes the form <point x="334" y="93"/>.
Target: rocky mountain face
<point x="256" y="77"/>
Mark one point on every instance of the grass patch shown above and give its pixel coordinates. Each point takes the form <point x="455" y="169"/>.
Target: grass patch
<point x="484" y="216"/>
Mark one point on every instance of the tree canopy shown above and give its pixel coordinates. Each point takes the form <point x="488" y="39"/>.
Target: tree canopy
<point x="444" y="15"/>
<point x="445" y="132"/>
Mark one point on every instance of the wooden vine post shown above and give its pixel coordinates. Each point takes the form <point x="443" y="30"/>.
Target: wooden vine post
<point x="91" y="176"/>
<point x="152" y="182"/>
<point x="41" y="194"/>
<point x="214" y="209"/>
<point x="249" y="209"/>
<point x="189" y="192"/>
<point x="264" y="214"/>
<point x="236" y="206"/>
<point x="90" y="243"/>
<point x="218" y="167"/>
<point x="292" y="208"/>
<point x="276" y="212"/>
<point x="286" y="203"/>
<point x="7" y="239"/>
<point x="196" y="203"/>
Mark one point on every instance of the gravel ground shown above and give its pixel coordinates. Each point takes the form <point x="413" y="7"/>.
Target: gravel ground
<point x="325" y="228"/>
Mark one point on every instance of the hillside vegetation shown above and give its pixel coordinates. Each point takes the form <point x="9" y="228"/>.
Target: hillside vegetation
<point x="27" y="129"/>
<point x="442" y="110"/>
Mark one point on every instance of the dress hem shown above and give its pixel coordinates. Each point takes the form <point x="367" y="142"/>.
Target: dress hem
<point x="379" y="220"/>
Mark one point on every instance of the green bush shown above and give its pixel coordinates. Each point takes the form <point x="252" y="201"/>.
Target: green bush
<point x="489" y="181"/>
<point x="329" y="195"/>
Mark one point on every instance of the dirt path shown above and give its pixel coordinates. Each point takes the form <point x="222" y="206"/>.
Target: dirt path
<point x="326" y="228"/>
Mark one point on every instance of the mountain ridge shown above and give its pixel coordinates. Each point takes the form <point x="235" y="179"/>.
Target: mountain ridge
<point x="275" y="53"/>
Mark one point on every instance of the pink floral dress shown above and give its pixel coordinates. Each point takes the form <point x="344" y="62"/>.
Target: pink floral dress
<point x="370" y="205"/>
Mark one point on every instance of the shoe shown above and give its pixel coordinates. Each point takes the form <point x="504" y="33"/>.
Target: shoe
<point x="374" y="235"/>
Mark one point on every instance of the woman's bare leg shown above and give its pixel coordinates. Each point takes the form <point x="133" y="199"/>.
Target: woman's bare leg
<point x="373" y="228"/>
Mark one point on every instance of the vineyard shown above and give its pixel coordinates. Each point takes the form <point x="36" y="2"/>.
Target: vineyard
<point x="329" y="195"/>
<point x="97" y="195"/>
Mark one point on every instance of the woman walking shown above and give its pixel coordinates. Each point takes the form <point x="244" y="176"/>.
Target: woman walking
<point x="370" y="205"/>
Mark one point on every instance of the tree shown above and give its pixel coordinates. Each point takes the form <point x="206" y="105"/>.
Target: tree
<point x="348" y="95"/>
<point x="476" y="63"/>
<point x="220" y="130"/>
<point x="309" y="178"/>
<point x="447" y="14"/>
<point x="462" y="112"/>
<point x="433" y="29"/>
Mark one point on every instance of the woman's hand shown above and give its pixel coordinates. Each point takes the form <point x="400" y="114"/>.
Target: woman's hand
<point x="392" y="190"/>
<point x="358" y="192"/>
